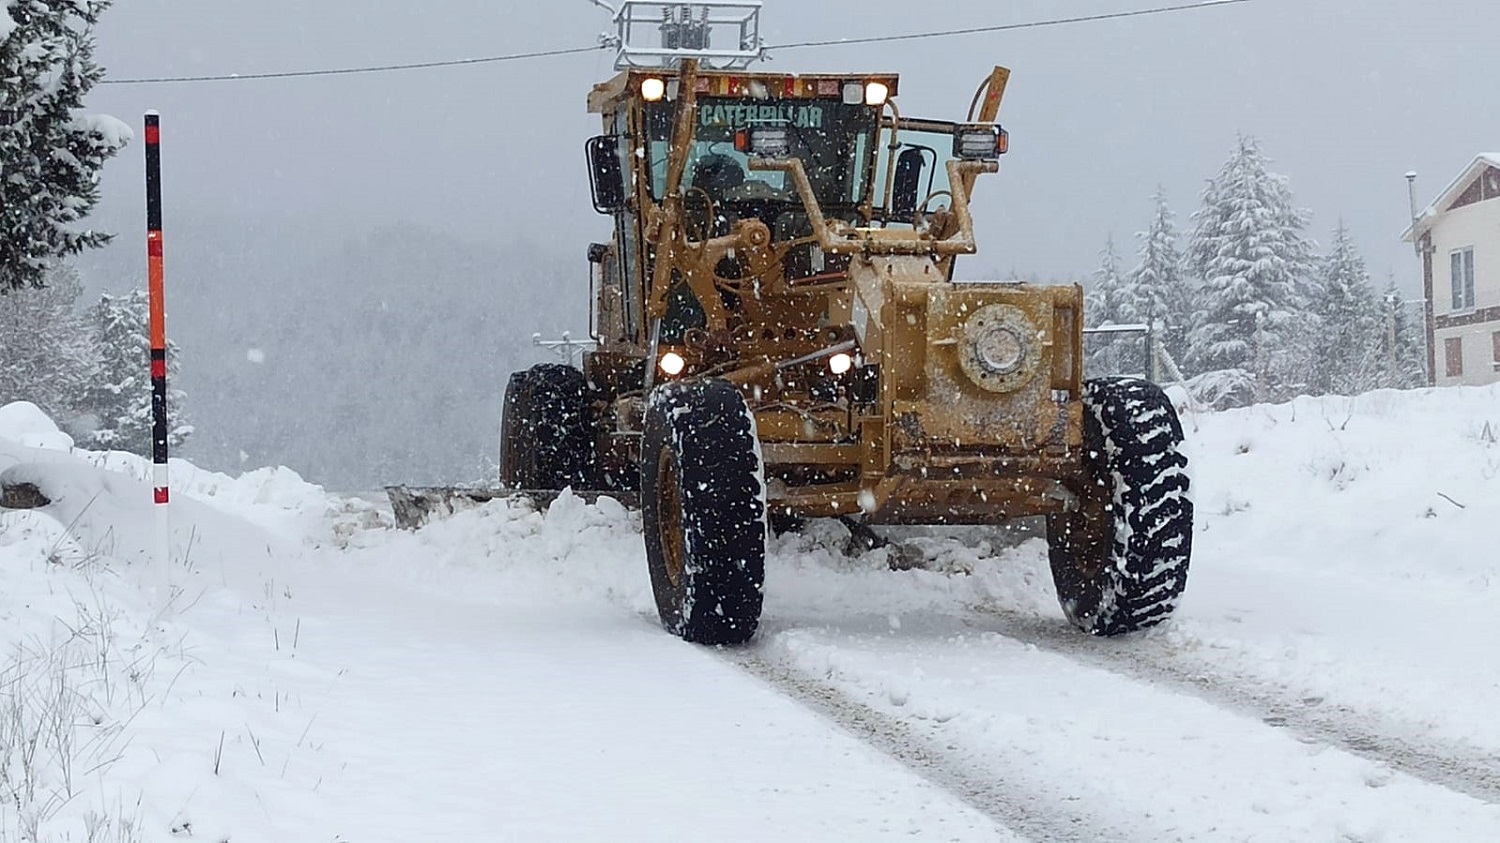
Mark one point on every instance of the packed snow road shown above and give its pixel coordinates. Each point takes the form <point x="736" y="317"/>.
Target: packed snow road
<point x="500" y="674"/>
<point x="1029" y="726"/>
<point x="968" y="677"/>
<point x="1070" y="738"/>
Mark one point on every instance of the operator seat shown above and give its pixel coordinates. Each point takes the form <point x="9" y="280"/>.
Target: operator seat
<point x="716" y="173"/>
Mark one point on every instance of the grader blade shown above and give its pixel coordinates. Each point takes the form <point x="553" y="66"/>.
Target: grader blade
<point x="415" y="506"/>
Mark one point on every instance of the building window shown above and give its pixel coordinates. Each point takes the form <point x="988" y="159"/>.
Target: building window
<point x="1453" y="352"/>
<point x="1462" y="275"/>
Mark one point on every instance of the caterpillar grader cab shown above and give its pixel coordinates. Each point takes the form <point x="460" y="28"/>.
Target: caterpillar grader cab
<point x="780" y="337"/>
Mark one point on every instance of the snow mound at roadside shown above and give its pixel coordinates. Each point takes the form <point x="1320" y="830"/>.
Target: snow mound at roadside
<point x="1400" y="484"/>
<point x="25" y="424"/>
<point x="82" y="482"/>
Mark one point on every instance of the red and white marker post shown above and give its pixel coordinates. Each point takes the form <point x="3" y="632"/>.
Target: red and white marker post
<point x="155" y="275"/>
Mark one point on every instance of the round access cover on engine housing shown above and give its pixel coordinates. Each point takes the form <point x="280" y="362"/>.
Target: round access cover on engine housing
<point x="999" y="349"/>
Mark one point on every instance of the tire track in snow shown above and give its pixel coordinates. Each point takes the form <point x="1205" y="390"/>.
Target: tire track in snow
<point x="1463" y="769"/>
<point x="1018" y="803"/>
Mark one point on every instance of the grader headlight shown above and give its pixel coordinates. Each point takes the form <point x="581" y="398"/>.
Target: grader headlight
<point x="870" y="93"/>
<point x="672" y="364"/>
<point x="1000" y="349"/>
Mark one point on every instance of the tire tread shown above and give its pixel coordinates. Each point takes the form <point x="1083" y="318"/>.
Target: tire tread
<point x="1133" y="439"/>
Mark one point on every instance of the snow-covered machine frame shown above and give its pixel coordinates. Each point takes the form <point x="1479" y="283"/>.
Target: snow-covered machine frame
<point x="779" y="337"/>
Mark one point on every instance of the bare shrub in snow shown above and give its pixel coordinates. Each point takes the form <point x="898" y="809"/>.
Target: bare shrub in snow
<point x="65" y="701"/>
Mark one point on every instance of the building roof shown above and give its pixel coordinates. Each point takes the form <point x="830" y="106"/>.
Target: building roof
<point x="1425" y="219"/>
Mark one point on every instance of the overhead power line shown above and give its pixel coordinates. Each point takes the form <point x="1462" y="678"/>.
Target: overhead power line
<point x="348" y="71"/>
<point x="979" y="30"/>
<point x="840" y="42"/>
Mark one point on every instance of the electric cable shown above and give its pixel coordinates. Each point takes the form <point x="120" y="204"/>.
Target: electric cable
<point x="347" y="71"/>
<point x="876" y="39"/>
<point x="978" y="30"/>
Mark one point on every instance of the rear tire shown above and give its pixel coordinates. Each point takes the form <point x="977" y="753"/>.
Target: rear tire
<point x="546" y="431"/>
<point x="1120" y="562"/>
<point x="703" y="511"/>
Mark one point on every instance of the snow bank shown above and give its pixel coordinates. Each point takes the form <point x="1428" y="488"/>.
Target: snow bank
<point x="1400" y="484"/>
<point x="24" y="423"/>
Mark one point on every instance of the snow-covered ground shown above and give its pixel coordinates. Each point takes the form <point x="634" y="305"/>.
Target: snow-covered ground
<point x="500" y="675"/>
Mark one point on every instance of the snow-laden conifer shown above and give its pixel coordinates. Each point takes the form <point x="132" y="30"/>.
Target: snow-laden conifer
<point x="48" y="355"/>
<point x="1349" y="358"/>
<point x="1108" y="303"/>
<point x="1254" y="264"/>
<point x="1156" y="290"/>
<point x="120" y="399"/>
<point x="1403" y="346"/>
<point x="50" y="152"/>
<point x="1102" y="298"/>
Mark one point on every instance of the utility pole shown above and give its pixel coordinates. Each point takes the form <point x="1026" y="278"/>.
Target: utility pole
<point x="1416" y="246"/>
<point x="1392" y="302"/>
<point x="1411" y="199"/>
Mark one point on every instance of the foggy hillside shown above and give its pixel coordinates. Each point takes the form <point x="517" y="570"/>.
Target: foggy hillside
<point x="368" y="359"/>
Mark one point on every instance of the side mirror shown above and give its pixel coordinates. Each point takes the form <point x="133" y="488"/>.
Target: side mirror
<point x="907" y="184"/>
<point x="606" y="178"/>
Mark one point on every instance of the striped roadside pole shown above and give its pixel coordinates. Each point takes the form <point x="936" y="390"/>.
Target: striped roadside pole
<point x="155" y="275"/>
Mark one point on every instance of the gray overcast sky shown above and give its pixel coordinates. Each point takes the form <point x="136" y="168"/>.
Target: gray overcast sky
<point x="1345" y="96"/>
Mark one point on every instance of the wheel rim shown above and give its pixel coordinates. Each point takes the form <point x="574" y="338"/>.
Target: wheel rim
<point x="669" y="517"/>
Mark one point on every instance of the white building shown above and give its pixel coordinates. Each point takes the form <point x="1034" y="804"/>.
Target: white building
<point x="1458" y="237"/>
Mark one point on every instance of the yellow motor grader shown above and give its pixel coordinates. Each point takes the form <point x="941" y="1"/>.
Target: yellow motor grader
<point x="779" y="337"/>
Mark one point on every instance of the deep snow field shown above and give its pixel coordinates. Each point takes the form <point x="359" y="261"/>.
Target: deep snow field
<point x="1333" y="672"/>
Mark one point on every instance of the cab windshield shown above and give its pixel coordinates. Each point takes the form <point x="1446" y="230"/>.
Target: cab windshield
<point x="833" y="140"/>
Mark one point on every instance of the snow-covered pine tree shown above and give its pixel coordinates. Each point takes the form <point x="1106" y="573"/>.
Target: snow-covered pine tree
<point x="1349" y="360"/>
<point x="49" y="357"/>
<point x="1108" y="303"/>
<point x="50" y="154"/>
<point x="1255" y="267"/>
<point x="120" y="400"/>
<point x="1156" y="288"/>
<point x="1407" y="368"/>
<point x="1101" y="293"/>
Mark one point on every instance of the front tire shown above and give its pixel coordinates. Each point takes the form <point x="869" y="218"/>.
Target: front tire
<point x="1120" y="562"/>
<point x="546" y="430"/>
<point x="703" y="511"/>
